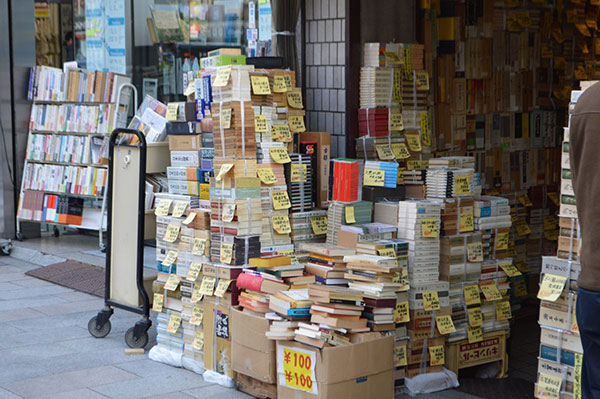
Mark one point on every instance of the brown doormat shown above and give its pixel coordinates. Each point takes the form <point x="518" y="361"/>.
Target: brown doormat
<point x="72" y="274"/>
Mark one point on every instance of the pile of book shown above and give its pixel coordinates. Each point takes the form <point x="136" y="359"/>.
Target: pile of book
<point x="342" y="213"/>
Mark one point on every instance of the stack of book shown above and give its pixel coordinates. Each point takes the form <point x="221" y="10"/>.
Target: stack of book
<point x="299" y="175"/>
<point x="308" y="227"/>
<point x="375" y="122"/>
<point x="390" y="170"/>
<point x="492" y="218"/>
<point x="347" y="180"/>
<point x="230" y="83"/>
<point x="371" y="147"/>
<point x="234" y="134"/>
<point x="376" y="87"/>
<point x="337" y="308"/>
<point x="290" y="308"/>
<point x="326" y="262"/>
<point x="342" y="213"/>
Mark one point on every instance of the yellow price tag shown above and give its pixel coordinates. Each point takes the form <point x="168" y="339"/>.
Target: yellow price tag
<point x="260" y="85"/>
<point x="431" y="300"/>
<point x="222" y="77"/>
<point x="524" y="200"/>
<point x="425" y="128"/>
<point x="174" y="322"/>
<point x="392" y="57"/>
<point x="400" y="356"/>
<point x="189" y="219"/>
<point x="396" y="122"/>
<point x="475" y="316"/>
<point x="475" y="252"/>
<point x="172" y="111"/>
<point x="266" y="175"/>
<point x="228" y="212"/>
<point x="296" y="123"/>
<point x="172" y="282"/>
<point x="554" y="198"/>
<point x="279" y="155"/>
<point x="466" y="222"/>
<point x="503" y="311"/>
<point x="445" y="325"/>
<point x="577" y="375"/>
<point x="574" y="325"/>
<point x="436" y="355"/>
<point x="294" y="99"/>
<point x="474" y="334"/>
<point x="414" y="142"/>
<point x="349" y="211"/>
<point x="288" y="82"/>
<point x="194" y="270"/>
<point x="548" y="386"/>
<point x="471" y="293"/>
<point x="157" y="303"/>
<point x="374" y="177"/>
<point x="429" y="228"/>
<point x="501" y="241"/>
<point x="197" y="315"/>
<point x="280" y="200"/>
<point x="226" y="252"/>
<point x="319" y="224"/>
<point x="552" y="286"/>
<point x="222" y="287"/>
<point x="180" y="207"/>
<point x="422" y="80"/>
<point x="260" y="124"/>
<point x="290" y="253"/>
<point x="198" y="342"/>
<point x="196" y="295"/>
<point x="281" y="224"/>
<point x="279" y="85"/>
<point x="225" y="118"/>
<point x="510" y="269"/>
<point x="389" y="252"/>
<point x="199" y="246"/>
<point x="207" y="285"/>
<point x="384" y="152"/>
<point x="401" y="313"/>
<point x="172" y="233"/>
<point x="298" y="369"/>
<point x="490" y="292"/>
<point x="280" y="132"/>
<point x="400" y="151"/>
<point x="162" y="209"/>
<point x="462" y="185"/>
<point x="170" y="258"/>
<point x="225" y="168"/>
<point x="522" y="228"/>
<point x="295" y="176"/>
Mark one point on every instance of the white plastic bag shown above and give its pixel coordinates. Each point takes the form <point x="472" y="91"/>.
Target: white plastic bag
<point x="216" y="378"/>
<point x="193" y="365"/>
<point x="431" y="382"/>
<point x="166" y="356"/>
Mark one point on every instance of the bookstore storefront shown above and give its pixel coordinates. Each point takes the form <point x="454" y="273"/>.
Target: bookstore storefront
<point x="344" y="183"/>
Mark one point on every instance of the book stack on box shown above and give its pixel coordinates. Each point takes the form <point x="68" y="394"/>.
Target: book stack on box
<point x="308" y="227"/>
<point x="347" y="180"/>
<point x="342" y="213"/>
<point x="289" y="308"/>
<point x="265" y="277"/>
<point x="326" y="262"/>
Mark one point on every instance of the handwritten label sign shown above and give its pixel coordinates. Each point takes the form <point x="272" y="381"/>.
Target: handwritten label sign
<point x="279" y="85"/>
<point x="228" y="212"/>
<point x="401" y="313"/>
<point x="281" y="224"/>
<point x="296" y="368"/>
<point x="296" y="123"/>
<point x="429" y="228"/>
<point x="349" y="211"/>
<point x="266" y="175"/>
<point x="199" y="246"/>
<point x="474" y="334"/>
<point x="222" y="77"/>
<point x="384" y="152"/>
<point x="172" y="233"/>
<point x="207" y="285"/>
<point x="172" y="282"/>
<point x="319" y="224"/>
<point x="490" y="292"/>
<point x="194" y="270"/>
<point x="222" y="287"/>
<point x="157" y="303"/>
<point x="396" y="122"/>
<point x="280" y="132"/>
<point x="475" y="316"/>
<point x="436" y="355"/>
<point x="225" y="168"/>
<point x="400" y="151"/>
<point x="431" y="300"/>
<point x="294" y="99"/>
<point x="374" y="177"/>
<point x="260" y="85"/>
<point x="503" y="311"/>
<point x="552" y="286"/>
<point x="197" y="315"/>
<point x="471" y="293"/>
<point x="280" y="200"/>
<point x="162" y="209"/>
<point x="260" y="124"/>
<point x="170" y="258"/>
<point x="279" y="155"/>
<point x="174" y="322"/>
<point x="226" y="252"/>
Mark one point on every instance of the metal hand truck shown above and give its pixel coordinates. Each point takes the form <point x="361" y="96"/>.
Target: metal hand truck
<point x="125" y="239"/>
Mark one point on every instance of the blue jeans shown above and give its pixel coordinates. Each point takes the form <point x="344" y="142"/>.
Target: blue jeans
<point x="588" y="320"/>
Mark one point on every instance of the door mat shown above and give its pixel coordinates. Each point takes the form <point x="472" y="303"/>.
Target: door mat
<point x="72" y="274"/>
<point x="506" y="388"/>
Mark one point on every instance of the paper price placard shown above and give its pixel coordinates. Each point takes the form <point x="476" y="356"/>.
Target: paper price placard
<point x="172" y="282"/>
<point x="522" y="228"/>
<point x="548" y="386"/>
<point x="510" y="269"/>
<point x="222" y="77"/>
<point x="279" y="155"/>
<point x="172" y="111"/>
<point x="281" y="224"/>
<point x="198" y="342"/>
<point x="194" y="270"/>
<point x="471" y="293"/>
<point x="174" y="322"/>
<point x="400" y="151"/>
<point x="431" y="301"/>
<point x="179" y="209"/>
<point x="225" y="118"/>
<point x="279" y="85"/>
<point x="196" y="295"/>
<point x="503" y="311"/>
<point x="422" y="80"/>
<point x="349" y="211"/>
<point x="280" y="132"/>
<point x="554" y="198"/>
<point x="172" y="233"/>
<point x="400" y="356"/>
<point x="266" y="175"/>
<point x="424" y="125"/>
<point x="170" y="258"/>
<point x="475" y="252"/>
<point x="524" y="200"/>
<point x="392" y="58"/>
<point x="319" y="224"/>
<point x="260" y="124"/>
<point x="157" y="302"/>
<point x="490" y="292"/>
<point x="225" y="168"/>
<point x="384" y="152"/>
<point x="290" y="253"/>
<point x="445" y="325"/>
<point x="207" y="285"/>
<point x="577" y="375"/>
<point x="414" y="142"/>
<point x="288" y="82"/>
<point x="260" y="85"/>
<point x="296" y="123"/>
<point x="228" y="212"/>
<point x="474" y="334"/>
<point x="390" y="252"/>
<point x="222" y="287"/>
<point x="429" y="228"/>
<point x="296" y="368"/>
<point x="475" y="316"/>
<point x="280" y="200"/>
<point x="162" y="209"/>
<point x="226" y="252"/>
<point x="199" y="246"/>
<point x="401" y="313"/>
<point x="294" y="99"/>
<point x="436" y="355"/>
<point x="397" y="86"/>
<point x="574" y="326"/>
<point x="501" y="241"/>
<point x="197" y="315"/>
<point x="396" y="122"/>
<point x="189" y="219"/>
<point x="295" y="175"/>
<point x="552" y="286"/>
<point x="374" y="177"/>
<point x="462" y="185"/>
<point x="466" y="222"/>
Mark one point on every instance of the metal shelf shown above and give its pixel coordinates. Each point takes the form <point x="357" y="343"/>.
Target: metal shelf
<point x="68" y="163"/>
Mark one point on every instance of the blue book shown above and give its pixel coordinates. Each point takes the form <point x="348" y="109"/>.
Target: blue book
<point x="549" y="353"/>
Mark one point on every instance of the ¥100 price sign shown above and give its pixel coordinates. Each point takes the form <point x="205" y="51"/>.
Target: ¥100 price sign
<point x="296" y="369"/>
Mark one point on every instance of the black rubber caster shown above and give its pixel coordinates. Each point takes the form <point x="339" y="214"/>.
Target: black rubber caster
<point x="96" y="332"/>
<point x="135" y="343"/>
<point x="56" y="231"/>
<point x="19" y="236"/>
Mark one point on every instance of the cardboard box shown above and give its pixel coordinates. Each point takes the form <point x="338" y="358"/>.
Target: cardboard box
<point x="363" y="370"/>
<point x="185" y="142"/>
<point x="323" y="140"/>
<point x="252" y="353"/>
<point x="217" y="337"/>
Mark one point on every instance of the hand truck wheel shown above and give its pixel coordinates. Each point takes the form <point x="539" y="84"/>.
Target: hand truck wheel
<point x="100" y="332"/>
<point x="135" y="343"/>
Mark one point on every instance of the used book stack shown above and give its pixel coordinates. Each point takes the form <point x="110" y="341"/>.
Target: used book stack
<point x="307" y="227"/>
<point x="326" y="262"/>
<point x="261" y="280"/>
<point x="342" y="213"/>
<point x="492" y="218"/>
<point x="299" y="175"/>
